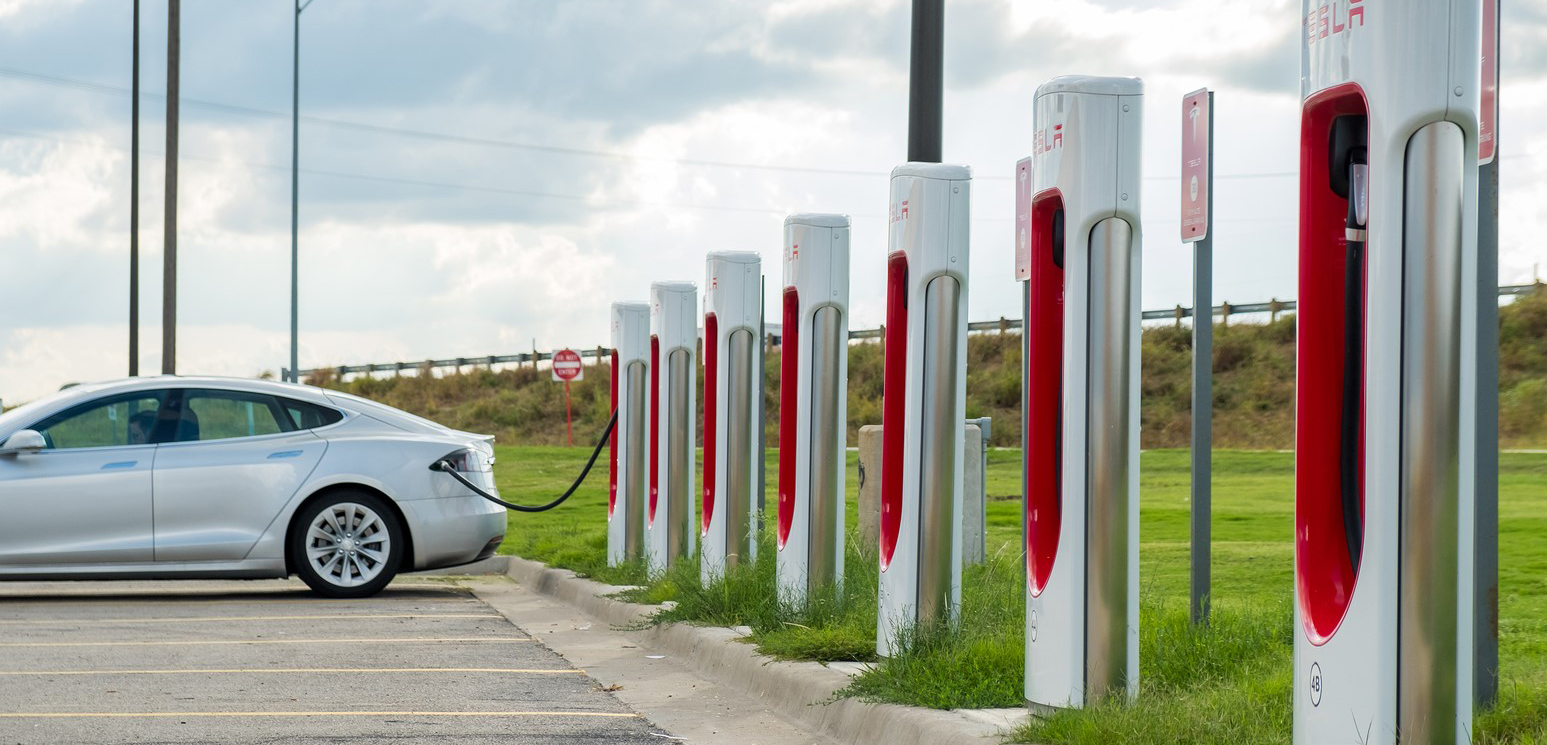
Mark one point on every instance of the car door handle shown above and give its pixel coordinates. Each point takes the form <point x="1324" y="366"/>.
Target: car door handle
<point x="119" y="465"/>
<point x="285" y="454"/>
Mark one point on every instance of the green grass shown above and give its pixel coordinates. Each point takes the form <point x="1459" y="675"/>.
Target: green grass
<point x="1229" y="683"/>
<point x="1254" y="376"/>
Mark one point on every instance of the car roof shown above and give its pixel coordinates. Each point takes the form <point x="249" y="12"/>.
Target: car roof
<point x="273" y="387"/>
<point x="86" y="391"/>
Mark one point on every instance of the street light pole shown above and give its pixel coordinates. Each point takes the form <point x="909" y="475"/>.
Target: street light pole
<point x="169" y="265"/>
<point x="134" y="205"/>
<point x="295" y="186"/>
<point x="926" y="81"/>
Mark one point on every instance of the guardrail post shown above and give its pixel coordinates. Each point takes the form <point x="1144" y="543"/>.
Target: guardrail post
<point x="1179" y="313"/>
<point x="1274" y="306"/>
<point x="1224" y="315"/>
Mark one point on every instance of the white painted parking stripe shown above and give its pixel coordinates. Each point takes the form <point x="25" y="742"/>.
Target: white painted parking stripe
<point x="199" y="714"/>
<point x="299" y="670"/>
<point x="220" y="619"/>
<point x="200" y="642"/>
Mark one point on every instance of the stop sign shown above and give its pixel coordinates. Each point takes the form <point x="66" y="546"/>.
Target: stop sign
<point x="567" y="365"/>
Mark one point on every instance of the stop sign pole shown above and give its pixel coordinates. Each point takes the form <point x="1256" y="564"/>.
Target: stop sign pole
<point x="567" y="367"/>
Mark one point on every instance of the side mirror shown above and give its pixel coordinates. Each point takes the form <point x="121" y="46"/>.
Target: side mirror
<point x="24" y="441"/>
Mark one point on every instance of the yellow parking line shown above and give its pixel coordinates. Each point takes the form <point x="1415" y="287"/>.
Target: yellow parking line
<point x="193" y="714"/>
<point x="216" y="619"/>
<point x="427" y="640"/>
<point x="293" y="670"/>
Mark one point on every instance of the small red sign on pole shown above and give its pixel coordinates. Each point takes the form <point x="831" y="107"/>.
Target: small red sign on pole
<point x="1197" y="123"/>
<point x="1023" y="219"/>
<point x="1488" y="107"/>
<point x="566" y="367"/>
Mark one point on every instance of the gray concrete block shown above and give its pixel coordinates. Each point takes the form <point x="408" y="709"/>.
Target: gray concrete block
<point x="870" y="487"/>
<point x="973" y="516"/>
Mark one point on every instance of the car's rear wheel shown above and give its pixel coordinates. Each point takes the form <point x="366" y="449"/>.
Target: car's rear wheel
<point x="347" y="545"/>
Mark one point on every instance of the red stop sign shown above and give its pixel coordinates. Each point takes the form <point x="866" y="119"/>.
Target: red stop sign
<point x="567" y="365"/>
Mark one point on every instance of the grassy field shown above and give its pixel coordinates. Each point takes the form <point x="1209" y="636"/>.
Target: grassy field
<point x="1254" y="369"/>
<point x="1229" y="684"/>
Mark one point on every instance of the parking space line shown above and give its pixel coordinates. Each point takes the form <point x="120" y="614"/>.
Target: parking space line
<point x="300" y="670"/>
<point x="218" y="619"/>
<point x="201" y="642"/>
<point x="234" y="714"/>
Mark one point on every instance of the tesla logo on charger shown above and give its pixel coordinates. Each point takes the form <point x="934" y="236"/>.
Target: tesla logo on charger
<point x="1333" y="18"/>
<point x="1043" y="144"/>
<point x="792" y="253"/>
<point x="898" y="215"/>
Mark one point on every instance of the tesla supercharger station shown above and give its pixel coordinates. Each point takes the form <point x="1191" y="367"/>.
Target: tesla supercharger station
<point x="924" y="399"/>
<point x="630" y="377"/>
<point x="813" y="405"/>
<point x="673" y="395"/>
<point x="1081" y="413"/>
<point x="733" y="308"/>
<point x="1386" y="395"/>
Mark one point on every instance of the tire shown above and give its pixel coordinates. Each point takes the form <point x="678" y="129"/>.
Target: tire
<point x="348" y="544"/>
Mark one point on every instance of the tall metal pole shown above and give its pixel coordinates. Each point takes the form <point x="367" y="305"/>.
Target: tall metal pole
<point x="134" y="204"/>
<point x="295" y="186"/>
<point x="1203" y="398"/>
<point x="926" y="82"/>
<point x="169" y="266"/>
<point x="1485" y="546"/>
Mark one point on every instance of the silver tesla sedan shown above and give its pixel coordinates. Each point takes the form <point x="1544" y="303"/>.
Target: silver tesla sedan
<point x="184" y="477"/>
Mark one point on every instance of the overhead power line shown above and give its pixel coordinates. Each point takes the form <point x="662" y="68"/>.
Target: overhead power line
<point x="425" y="135"/>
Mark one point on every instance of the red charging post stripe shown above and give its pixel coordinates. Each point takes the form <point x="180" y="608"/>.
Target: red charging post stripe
<point x="1324" y="574"/>
<point x="711" y="407"/>
<point x="893" y="404"/>
<point x="1044" y="395"/>
<point x="789" y="411"/>
<point x="612" y="442"/>
<point x="655" y="422"/>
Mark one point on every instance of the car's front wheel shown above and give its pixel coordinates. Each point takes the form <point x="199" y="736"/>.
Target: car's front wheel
<point x="347" y="545"/>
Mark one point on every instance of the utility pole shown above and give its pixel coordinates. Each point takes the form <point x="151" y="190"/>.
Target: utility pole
<point x="295" y="190"/>
<point x="169" y="266"/>
<point x="134" y="204"/>
<point x="926" y="82"/>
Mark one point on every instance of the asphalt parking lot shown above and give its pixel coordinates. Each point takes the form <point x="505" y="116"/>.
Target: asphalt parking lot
<point x="251" y="662"/>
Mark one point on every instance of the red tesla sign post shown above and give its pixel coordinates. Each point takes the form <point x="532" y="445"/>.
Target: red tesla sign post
<point x="1197" y="204"/>
<point x="566" y="367"/>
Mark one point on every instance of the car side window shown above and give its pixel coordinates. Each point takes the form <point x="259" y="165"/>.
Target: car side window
<point x="221" y="415"/>
<point x="309" y="416"/>
<point x="124" y="419"/>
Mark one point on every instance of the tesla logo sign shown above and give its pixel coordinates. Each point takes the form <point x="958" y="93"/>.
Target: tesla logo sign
<point x="1333" y="18"/>
<point x="792" y="253"/>
<point x="899" y="214"/>
<point x="1044" y="144"/>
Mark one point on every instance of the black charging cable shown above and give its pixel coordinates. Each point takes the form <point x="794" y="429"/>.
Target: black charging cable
<point x="1350" y="161"/>
<point x="443" y="465"/>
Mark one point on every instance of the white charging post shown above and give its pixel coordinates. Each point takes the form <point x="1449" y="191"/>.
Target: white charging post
<point x="813" y="405"/>
<point x="1081" y="413"/>
<point x="733" y="309"/>
<point x="628" y="445"/>
<point x="924" y="400"/>
<point x="1386" y="392"/>
<point x="673" y="403"/>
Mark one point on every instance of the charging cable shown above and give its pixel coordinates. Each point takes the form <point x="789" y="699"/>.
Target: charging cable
<point x="444" y="465"/>
<point x="1356" y="233"/>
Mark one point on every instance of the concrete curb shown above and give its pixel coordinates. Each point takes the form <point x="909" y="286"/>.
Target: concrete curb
<point x="800" y="691"/>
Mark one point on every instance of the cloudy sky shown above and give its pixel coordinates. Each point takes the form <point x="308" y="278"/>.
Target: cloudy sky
<point x="480" y="175"/>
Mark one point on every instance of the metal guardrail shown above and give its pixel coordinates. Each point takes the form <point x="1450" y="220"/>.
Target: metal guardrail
<point x="1225" y="311"/>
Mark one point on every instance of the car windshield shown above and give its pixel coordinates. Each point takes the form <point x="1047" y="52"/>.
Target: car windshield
<point x="28" y="411"/>
<point x="379" y="410"/>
